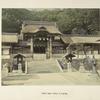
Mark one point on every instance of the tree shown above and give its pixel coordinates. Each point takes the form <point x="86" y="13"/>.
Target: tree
<point x="67" y="19"/>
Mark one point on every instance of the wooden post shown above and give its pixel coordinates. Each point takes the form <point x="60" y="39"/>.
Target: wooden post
<point x="26" y="67"/>
<point x="50" y="51"/>
<point x="49" y="48"/>
<point x="47" y="51"/>
<point x="31" y="48"/>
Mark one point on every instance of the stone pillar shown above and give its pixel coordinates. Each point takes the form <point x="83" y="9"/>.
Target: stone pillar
<point x="31" y="47"/>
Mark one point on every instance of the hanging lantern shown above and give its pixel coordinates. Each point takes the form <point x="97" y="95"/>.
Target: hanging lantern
<point x="47" y="39"/>
<point x="40" y="39"/>
<point x="44" y="39"/>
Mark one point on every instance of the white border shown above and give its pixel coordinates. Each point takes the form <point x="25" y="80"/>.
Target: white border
<point x="49" y="3"/>
<point x="35" y="92"/>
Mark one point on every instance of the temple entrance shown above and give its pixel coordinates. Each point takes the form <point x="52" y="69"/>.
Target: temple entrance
<point x="40" y="49"/>
<point x="19" y="62"/>
<point x="40" y="46"/>
<point x="39" y="53"/>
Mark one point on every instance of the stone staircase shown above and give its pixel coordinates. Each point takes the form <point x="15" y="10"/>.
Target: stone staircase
<point x="39" y="56"/>
<point x="43" y="66"/>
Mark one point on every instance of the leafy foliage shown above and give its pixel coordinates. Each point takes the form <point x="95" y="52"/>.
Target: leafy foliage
<point x="66" y="19"/>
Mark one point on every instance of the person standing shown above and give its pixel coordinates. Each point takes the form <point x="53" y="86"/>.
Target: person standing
<point x="89" y="63"/>
<point x="93" y="65"/>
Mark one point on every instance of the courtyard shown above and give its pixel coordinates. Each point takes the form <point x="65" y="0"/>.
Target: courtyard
<point x="48" y="73"/>
<point x="68" y="78"/>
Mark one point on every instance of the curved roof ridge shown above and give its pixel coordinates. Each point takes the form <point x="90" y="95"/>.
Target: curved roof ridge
<point x="28" y="22"/>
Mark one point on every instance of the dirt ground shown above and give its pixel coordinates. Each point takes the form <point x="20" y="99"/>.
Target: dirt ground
<point x="65" y="78"/>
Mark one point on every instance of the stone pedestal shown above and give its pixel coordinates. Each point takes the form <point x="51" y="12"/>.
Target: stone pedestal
<point x="19" y="68"/>
<point x="4" y="72"/>
<point x="93" y="69"/>
<point x="82" y="69"/>
<point x="69" y="67"/>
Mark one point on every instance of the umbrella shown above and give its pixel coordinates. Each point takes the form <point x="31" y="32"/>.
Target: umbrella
<point x="70" y="56"/>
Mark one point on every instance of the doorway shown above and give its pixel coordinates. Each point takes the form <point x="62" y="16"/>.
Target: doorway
<point x="39" y="49"/>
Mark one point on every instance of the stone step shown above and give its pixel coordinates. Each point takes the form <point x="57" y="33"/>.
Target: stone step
<point x="46" y="66"/>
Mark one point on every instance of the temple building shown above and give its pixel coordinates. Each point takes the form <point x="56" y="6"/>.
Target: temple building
<point x="40" y="38"/>
<point x="43" y="39"/>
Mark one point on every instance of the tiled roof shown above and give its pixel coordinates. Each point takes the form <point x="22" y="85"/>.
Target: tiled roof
<point x="80" y="39"/>
<point x="66" y="39"/>
<point x="35" y="26"/>
<point x="85" y="39"/>
<point x="9" y="38"/>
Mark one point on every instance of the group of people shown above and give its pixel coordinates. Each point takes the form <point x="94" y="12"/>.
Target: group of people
<point x="90" y="60"/>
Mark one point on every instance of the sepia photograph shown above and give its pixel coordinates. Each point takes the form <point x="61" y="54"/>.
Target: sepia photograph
<point x="50" y="46"/>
